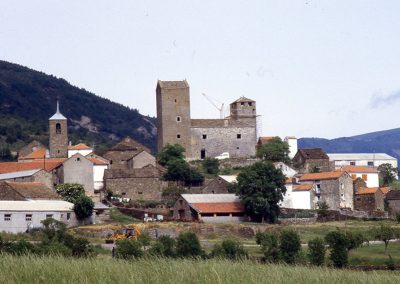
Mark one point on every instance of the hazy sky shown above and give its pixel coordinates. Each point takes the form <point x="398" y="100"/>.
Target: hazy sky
<point x="315" y="68"/>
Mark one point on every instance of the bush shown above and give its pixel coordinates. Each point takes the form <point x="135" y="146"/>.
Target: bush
<point x="316" y="251"/>
<point x="269" y="246"/>
<point x="211" y="166"/>
<point x="20" y="247"/>
<point x="83" y="207"/>
<point x="53" y="249"/>
<point x="323" y="208"/>
<point x="398" y="218"/>
<point x="164" y="246"/>
<point x="289" y="245"/>
<point x="230" y="249"/>
<point x="79" y="247"/>
<point x="338" y="244"/>
<point x="128" y="249"/>
<point x="188" y="245"/>
<point x="70" y="191"/>
<point x="144" y="239"/>
<point x="390" y="264"/>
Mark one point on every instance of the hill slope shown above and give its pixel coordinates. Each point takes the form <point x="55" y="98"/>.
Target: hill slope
<point x="387" y="141"/>
<point x="28" y="99"/>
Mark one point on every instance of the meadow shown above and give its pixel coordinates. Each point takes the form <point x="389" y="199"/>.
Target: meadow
<point x="30" y="269"/>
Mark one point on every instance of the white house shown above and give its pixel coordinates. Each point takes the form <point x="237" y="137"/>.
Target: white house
<point x="286" y="170"/>
<point x="99" y="166"/>
<point x="287" y="198"/>
<point x="303" y="196"/>
<point x="368" y="174"/>
<point x="80" y="148"/>
<point x="292" y="142"/>
<point x="361" y="159"/>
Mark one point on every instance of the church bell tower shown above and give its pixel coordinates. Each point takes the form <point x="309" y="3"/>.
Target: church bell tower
<point x="58" y="130"/>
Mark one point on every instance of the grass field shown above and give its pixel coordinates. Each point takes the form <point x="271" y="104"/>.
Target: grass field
<point x="60" y="270"/>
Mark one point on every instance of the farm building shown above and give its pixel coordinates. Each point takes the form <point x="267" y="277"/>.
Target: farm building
<point x="209" y="208"/>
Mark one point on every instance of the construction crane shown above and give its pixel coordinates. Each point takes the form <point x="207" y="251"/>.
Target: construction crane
<point x="212" y="101"/>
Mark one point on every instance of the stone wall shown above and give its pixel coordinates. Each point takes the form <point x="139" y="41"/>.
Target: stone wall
<point x="224" y="139"/>
<point x="136" y="188"/>
<point x="141" y="160"/>
<point x="58" y="142"/>
<point x="78" y="169"/>
<point x="183" y="211"/>
<point x="217" y="185"/>
<point x="338" y="193"/>
<point x="119" y="159"/>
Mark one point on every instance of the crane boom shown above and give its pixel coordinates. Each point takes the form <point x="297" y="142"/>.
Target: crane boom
<point x="221" y="108"/>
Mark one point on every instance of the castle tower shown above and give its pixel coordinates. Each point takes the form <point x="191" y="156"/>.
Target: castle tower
<point x="243" y="108"/>
<point x="173" y="114"/>
<point x="58" y="135"/>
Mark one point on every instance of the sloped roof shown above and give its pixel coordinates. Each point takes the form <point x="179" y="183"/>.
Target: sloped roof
<point x="58" y="115"/>
<point x="173" y="84"/>
<point x="33" y="190"/>
<point x="97" y="162"/>
<point x="265" y="139"/>
<point x="303" y="187"/>
<point x="230" y="179"/>
<point x="80" y="146"/>
<point x="385" y="190"/>
<point x="359" y="169"/>
<point x="129" y="144"/>
<point x="313" y="153"/>
<point x="243" y="100"/>
<point x="367" y="190"/>
<point x="222" y="207"/>
<point x="321" y="176"/>
<point x="48" y="165"/>
<point x="18" y="174"/>
<point x="36" y="205"/>
<point x="393" y="194"/>
<point x="211" y="198"/>
<point x="218" y="123"/>
<point x="360" y="156"/>
<point x="38" y="154"/>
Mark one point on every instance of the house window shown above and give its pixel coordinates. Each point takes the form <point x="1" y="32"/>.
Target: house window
<point x="178" y="136"/>
<point x="250" y="103"/>
<point x="242" y="104"/>
<point x="358" y="198"/>
<point x="204" y="136"/>
<point x="239" y="136"/>
<point x="353" y="176"/>
<point x="7" y="217"/>
<point x="175" y="100"/>
<point x="365" y="177"/>
<point x="48" y="216"/>
<point x="237" y="148"/>
<point x="28" y="217"/>
<point x="352" y="163"/>
<point x="78" y="159"/>
<point x="371" y="164"/>
<point x="58" y="128"/>
<point x="68" y="216"/>
<point x="203" y="154"/>
<point x="178" y="119"/>
<point x="140" y="192"/>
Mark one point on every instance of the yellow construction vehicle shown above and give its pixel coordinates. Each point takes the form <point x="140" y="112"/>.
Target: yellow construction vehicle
<point x="127" y="232"/>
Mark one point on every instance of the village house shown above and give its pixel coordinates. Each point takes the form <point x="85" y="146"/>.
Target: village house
<point x="369" y="175"/>
<point x="370" y="199"/>
<point x="30" y="148"/>
<point x="309" y="160"/>
<point x="209" y="208"/>
<point x="36" y="175"/>
<point x="374" y="160"/>
<point x="80" y="148"/>
<point x="23" y="206"/>
<point x="220" y="184"/>
<point x="393" y="202"/>
<point x="335" y="188"/>
<point x="304" y="196"/>
<point x="286" y="170"/>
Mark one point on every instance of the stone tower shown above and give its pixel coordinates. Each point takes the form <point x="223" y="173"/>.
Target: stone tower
<point x="173" y="114"/>
<point x="58" y="135"/>
<point x="243" y="109"/>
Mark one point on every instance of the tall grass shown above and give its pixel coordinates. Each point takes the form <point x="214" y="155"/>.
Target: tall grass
<point x="30" y="269"/>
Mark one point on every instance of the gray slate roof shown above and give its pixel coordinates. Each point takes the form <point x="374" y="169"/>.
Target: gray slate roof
<point x="173" y="84"/>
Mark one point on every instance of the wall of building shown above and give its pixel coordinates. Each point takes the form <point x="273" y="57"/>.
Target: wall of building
<point x="303" y="199"/>
<point x="137" y="188"/>
<point x="183" y="212"/>
<point x="98" y="175"/>
<point x="58" y="142"/>
<point x="82" y="152"/>
<point x="371" y="179"/>
<point x="217" y="185"/>
<point x="78" y="169"/>
<point x="376" y="163"/>
<point x="119" y="159"/>
<point x="224" y="219"/>
<point x="220" y="140"/>
<point x="338" y="193"/>
<point x="141" y="160"/>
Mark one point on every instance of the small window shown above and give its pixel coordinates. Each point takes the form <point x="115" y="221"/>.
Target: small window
<point x="178" y="119"/>
<point x="78" y="159"/>
<point x="58" y="151"/>
<point x="124" y="193"/>
<point x="140" y="192"/>
<point x="371" y="164"/>
<point x="352" y="163"/>
<point x="68" y="216"/>
<point x="62" y="215"/>
<point x="204" y="136"/>
<point x="178" y="136"/>
<point x="28" y="217"/>
<point x="48" y="216"/>
<point x="58" y="128"/>
<point x="239" y="136"/>
<point x="7" y="217"/>
<point x="175" y="100"/>
<point x="237" y="148"/>
<point x="250" y="103"/>
<point x="242" y="104"/>
<point x="358" y="198"/>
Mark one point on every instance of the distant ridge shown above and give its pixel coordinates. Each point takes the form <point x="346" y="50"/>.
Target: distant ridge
<point x="28" y="99"/>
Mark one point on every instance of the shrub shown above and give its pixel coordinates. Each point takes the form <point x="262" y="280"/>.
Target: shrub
<point x="229" y="249"/>
<point x="188" y="245"/>
<point x="144" y="239"/>
<point x="53" y="249"/>
<point x="211" y="166"/>
<point x="323" y="208"/>
<point x="269" y="246"/>
<point x="79" y="247"/>
<point x="398" y="218"/>
<point x="83" y="207"/>
<point x="164" y="246"/>
<point x="70" y="191"/>
<point x="172" y="194"/>
<point x="338" y="244"/>
<point x="390" y="264"/>
<point x="128" y="249"/>
<point x="289" y="245"/>
<point x="316" y="251"/>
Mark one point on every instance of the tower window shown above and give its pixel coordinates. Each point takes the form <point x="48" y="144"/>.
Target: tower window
<point x="178" y="119"/>
<point x="250" y="103"/>
<point x="239" y="136"/>
<point x="204" y="136"/>
<point x="178" y="136"/>
<point x="175" y="100"/>
<point x="58" y="128"/>
<point x="242" y="104"/>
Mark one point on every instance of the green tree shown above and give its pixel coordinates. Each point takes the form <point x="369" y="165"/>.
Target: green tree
<point x="230" y="249"/>
<point x="180" y="171"/>
<point x="83" y="207"/>
<point x="261" y="187"/>
<point x="269" y="246"/>
<point x="275" y="150"/>
<point x="387" y="173"/>
<point x="188" y="245"/>
<point x="316" y="251"/>
<point x="144" y="239"/>
<point x="338" y="244"/>
<point x="289" y="245"/>
<point x="128" y="249"/>
<point x="70" y="191"/>
<point x="385" y="233"/>
<point x="323" y="208"/>
<point x="164" y="246"/>
<point x="211" y="166"/>
<point x="5" y="154"/>
<point x="171" y="153"/>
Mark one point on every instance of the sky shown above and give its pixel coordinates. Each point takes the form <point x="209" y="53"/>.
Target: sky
<point x="316" y="68"/>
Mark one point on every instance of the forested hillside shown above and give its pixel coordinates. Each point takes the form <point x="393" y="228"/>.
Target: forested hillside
<point x="28" y="98"/>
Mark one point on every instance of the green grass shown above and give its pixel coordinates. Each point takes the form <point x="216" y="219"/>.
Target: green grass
<point x="61" y="270"/>
<point x="117" y="216"/>
<point x="375" y="254"/>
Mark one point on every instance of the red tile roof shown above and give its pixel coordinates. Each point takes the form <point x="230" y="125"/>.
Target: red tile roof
<point x="385" y="190"/>
<point x="80" y="146"/>
<point x="290" y="181"/>
<point x="367" y="190"/>
<point x="303" y="187"/>
<point x="96" y="161"/>
<point x="48" y="165"/>
<point x="359" y="169"/>
<point x="231" y="207"/>
<point x="38" y="154"/>
<point x="322" y="176"/>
